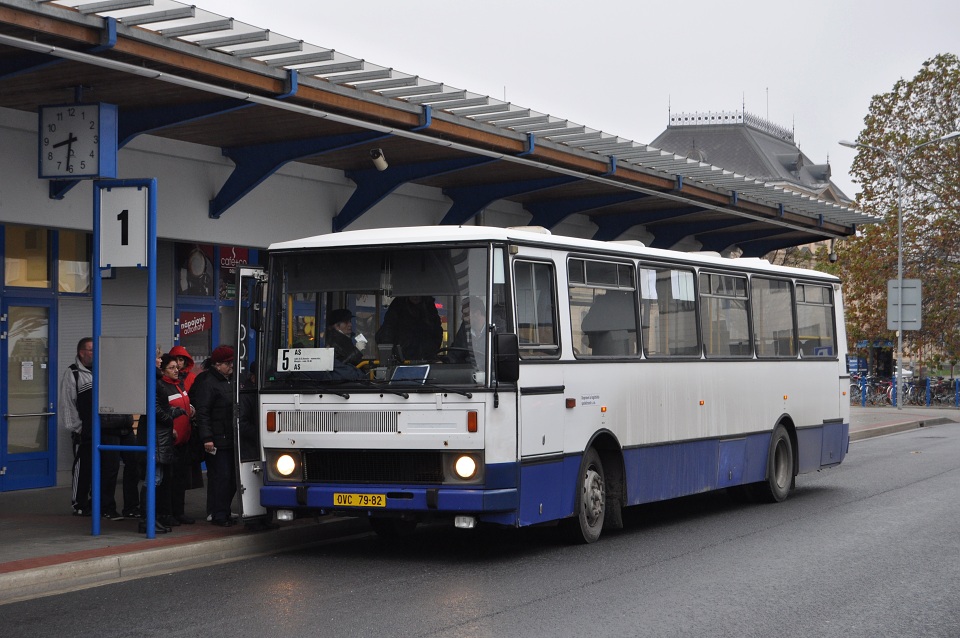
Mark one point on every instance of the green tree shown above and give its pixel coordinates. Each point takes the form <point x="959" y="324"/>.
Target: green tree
<point x="913" y="112"/>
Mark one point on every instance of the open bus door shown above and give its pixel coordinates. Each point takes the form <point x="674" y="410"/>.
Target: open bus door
<point x="246" y="404"/>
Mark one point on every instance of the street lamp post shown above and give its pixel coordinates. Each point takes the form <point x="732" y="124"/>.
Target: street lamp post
<point x="899" y="161"/>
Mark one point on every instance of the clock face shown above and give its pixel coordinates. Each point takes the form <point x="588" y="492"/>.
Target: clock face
<point x="73" y="138"/>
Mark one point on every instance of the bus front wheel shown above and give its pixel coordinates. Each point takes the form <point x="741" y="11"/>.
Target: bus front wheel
<point x="780" y="469"/>
<point x="591" y="501"/>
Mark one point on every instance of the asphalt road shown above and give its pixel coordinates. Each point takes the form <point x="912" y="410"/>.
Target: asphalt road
<point x="871" y="548"/>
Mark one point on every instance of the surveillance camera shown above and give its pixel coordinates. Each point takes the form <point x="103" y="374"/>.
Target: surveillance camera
<point x="832" y="257"/>
<point x="379" y="161"/>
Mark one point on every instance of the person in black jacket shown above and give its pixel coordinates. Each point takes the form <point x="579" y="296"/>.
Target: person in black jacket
<point x="165" y="455"/>
<point x="338" y="337"/>
<point x="212" y="398"/>
<point x="412" y="325"/>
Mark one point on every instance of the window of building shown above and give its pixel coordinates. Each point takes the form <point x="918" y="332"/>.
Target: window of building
<point x="27" y="257"/>
<point x="206" y="284"/>
<point x="73" y="262"/>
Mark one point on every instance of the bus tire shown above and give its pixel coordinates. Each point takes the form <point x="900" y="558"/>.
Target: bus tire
<point x="780" y="469"/>
<point x="590" y="504"/>
<point x="392" y="528"/>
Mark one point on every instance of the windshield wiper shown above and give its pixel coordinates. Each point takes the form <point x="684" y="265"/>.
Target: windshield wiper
<point x="439" y="388"/>
<point x="383" y="388"/>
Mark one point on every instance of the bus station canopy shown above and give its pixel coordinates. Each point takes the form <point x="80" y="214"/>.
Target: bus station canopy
<point x="176" y="71"/>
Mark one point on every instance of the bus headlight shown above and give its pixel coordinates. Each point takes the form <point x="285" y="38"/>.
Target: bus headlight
<point x="465" y="467"/>
<point x="284" y="465"/>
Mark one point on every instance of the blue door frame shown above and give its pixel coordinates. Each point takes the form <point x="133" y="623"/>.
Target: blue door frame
<point x="28" y="402"/>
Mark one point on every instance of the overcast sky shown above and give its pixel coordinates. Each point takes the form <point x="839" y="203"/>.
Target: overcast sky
<point x="620" y="65"/>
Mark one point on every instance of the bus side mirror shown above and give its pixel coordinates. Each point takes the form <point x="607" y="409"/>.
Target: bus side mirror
<point x="507" y="357"/>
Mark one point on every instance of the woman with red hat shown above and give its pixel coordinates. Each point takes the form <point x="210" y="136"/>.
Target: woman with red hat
<point x="213" y="401"/>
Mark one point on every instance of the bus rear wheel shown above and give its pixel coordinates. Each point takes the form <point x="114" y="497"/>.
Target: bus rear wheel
<point x="780" y="469"/>
<point x="590" y="505"/>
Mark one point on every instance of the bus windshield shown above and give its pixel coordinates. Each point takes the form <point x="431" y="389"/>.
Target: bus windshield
<point x="400" y="318"/>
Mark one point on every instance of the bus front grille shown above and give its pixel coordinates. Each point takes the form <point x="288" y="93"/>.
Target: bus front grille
<point x="373" y="466"/>
<point x="376" y="422"/>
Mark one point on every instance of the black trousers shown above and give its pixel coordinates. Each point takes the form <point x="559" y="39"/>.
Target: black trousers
<point x="110" y="469"/>
<point x="221" y="483"/>
<point x="162" y="492"/>
<point x="82" y="475"/>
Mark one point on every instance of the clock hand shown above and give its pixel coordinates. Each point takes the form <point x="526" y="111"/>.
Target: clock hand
<point x="70" y="140"/>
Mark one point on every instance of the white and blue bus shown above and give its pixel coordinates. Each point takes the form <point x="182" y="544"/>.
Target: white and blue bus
<point x="593" y="376"/>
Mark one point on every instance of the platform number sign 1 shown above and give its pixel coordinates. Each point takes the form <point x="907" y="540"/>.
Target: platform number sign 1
<point x="123" y="226"/>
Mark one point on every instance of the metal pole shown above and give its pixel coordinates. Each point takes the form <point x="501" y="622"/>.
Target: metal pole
<point x="899" y="372"/>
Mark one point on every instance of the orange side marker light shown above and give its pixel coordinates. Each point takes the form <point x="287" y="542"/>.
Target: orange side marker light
<point x="472" y="421"/>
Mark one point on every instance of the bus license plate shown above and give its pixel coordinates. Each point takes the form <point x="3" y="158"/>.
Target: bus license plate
<point x="359" y="500"/>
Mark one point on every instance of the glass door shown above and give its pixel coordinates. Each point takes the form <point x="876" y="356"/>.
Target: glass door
<point x="28" y="444"/>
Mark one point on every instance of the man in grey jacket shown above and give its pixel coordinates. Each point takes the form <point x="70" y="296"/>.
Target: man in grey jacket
<point x="76" y="415"/>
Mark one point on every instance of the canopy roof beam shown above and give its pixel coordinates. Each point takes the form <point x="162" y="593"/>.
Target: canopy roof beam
<point x="256" y="163"/>
<point x="470" y="200"/>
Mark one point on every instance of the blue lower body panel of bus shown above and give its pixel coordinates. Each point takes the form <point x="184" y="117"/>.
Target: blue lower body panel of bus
<point x="665" y="471"/>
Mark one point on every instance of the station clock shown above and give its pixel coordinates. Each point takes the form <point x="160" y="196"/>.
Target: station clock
<point x="78" y="141"/>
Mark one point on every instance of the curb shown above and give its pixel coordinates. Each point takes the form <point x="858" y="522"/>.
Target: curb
<point x="54" y="579"/>
<point x="893" y="428"/>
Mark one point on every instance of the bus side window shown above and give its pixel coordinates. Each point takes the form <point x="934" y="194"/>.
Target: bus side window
<point x="772" y="307"/>
<point x="815" y="321"/>
<point x="536" y="309"/>
<point x="669" y="312"/>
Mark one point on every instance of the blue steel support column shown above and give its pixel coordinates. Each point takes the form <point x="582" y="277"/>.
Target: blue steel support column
<point x="151" y="354"/>
<point x="95" y="409"/>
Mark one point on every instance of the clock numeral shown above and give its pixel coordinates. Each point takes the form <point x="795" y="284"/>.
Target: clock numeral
<point x="124" y="219"/>
<point x="71" y="112"/>
<point x="51" y="128"/>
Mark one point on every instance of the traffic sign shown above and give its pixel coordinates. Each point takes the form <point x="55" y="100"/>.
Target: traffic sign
<point x="911" y="304"/>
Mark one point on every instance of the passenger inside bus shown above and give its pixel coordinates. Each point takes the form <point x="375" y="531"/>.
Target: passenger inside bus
<point x="413" y="325"/>
<point x="470" y="343"/>
<point x="611" y="325"/>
